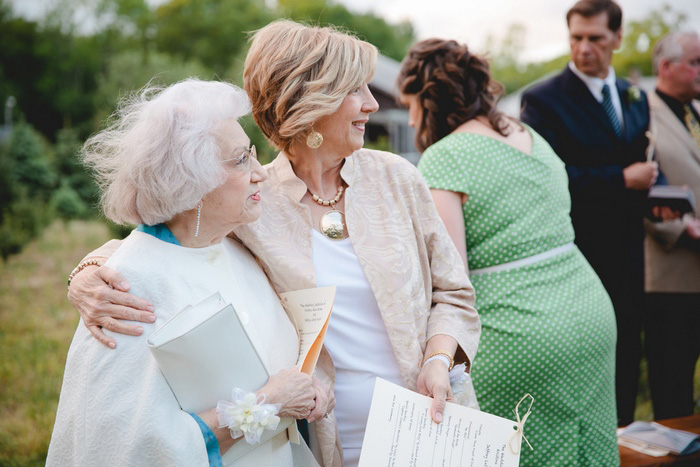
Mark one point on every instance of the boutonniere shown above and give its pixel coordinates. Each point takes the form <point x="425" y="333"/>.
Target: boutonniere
<point x="634" y="94"/>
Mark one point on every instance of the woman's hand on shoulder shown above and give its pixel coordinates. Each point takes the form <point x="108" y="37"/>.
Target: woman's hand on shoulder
<point x="293" y="390"/>
<point x="434" y="381"/>
<point x="324" y="399"/>
<point x="100" y="295"/>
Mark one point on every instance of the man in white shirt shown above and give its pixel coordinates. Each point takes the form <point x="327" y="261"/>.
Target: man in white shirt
<point x="596" y="123"/>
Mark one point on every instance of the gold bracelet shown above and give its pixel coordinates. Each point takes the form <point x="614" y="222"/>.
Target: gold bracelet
<point x="442" y="352"/>
<point x="81" y="266"/>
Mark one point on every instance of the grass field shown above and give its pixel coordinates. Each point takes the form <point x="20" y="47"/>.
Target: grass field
<point x="36" y="327"/>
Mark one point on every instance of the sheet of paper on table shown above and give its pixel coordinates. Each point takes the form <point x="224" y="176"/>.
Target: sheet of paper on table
<point x="401" y="433"/>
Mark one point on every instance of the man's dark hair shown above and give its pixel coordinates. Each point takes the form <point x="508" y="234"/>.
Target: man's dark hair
<point x="589" y="8"/>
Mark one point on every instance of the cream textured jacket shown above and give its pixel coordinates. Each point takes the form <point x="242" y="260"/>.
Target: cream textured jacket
<point x="670" y="267"/>
<point x="412" y="266"/>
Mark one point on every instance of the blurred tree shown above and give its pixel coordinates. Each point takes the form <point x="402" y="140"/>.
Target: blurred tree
<point x="77" y="193"/>
<point x="67" y="74"/>
<point x="393" y="40"/>
<point x="30" y="168"/>
<point x="51" y="73"/>
<point x="134" y="19"/>
<point x="28" y="177"/>
<point x="210" y="31"/>
<point x="640" y="36"/>
<point x="67" y="204"/>
<point x="126" y="72"/>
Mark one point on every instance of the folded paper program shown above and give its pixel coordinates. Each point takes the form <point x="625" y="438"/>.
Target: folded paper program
<point x="657" y="440"/>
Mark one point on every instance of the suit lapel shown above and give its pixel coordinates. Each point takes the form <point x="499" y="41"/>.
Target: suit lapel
<point x="580" y="94"/>
<point x="672" y="124"/>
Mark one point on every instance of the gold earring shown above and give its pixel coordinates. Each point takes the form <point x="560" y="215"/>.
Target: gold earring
<point x="314" y="139"/>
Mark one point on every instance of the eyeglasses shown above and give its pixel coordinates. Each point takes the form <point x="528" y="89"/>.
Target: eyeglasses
<point x="243" y="158"/>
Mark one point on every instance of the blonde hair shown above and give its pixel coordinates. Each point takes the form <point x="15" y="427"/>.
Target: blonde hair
<point x="296" y="74"/>
<point x="160" y="156"/>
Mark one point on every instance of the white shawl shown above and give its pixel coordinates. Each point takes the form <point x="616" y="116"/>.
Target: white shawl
<point x="116" y="407"/>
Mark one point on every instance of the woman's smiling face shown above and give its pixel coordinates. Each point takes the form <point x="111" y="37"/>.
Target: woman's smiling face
<point x="344" y="130"/>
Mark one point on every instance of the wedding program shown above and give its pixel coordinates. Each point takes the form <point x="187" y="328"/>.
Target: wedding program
<point x="400" y="432"/>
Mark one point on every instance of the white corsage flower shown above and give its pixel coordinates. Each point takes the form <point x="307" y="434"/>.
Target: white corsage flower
<point x="458" y="376"/>
<point x="462" y="388"/>
<point x="247" y="415"/>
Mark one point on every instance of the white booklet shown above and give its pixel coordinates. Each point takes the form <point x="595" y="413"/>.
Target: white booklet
<point x="204" y="352"/>
<point x="400" y="432"/>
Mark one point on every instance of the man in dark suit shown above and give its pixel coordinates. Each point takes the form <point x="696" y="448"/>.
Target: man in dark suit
<point x="597" y="124"/>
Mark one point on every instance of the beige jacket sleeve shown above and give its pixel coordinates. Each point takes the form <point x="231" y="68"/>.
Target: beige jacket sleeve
<point x="452" y="312"/>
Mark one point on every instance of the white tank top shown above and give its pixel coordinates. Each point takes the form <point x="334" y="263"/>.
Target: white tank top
<point x="356" y="339"/>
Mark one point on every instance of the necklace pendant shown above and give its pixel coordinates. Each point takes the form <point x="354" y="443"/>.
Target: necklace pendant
<point x="332" y="225"/>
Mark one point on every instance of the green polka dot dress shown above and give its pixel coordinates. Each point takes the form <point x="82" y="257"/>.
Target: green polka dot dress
<point x="548" y="328"/>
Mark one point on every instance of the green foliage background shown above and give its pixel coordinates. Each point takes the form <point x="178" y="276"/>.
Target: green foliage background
<point x="66" y="83"/>
<point x="67" y="79"/>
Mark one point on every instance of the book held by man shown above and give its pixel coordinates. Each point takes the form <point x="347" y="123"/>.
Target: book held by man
<point x="677" y="198"/>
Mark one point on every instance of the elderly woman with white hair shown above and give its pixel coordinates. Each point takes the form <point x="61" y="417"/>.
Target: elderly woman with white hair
<point x="177" y="162"/>
<point x="337" y="214"/>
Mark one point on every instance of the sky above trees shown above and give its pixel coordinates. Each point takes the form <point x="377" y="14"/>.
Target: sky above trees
<point x="473" y="21"/>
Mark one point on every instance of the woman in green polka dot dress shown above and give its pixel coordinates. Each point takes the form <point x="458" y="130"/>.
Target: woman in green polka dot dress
<point x="548" y="326"/>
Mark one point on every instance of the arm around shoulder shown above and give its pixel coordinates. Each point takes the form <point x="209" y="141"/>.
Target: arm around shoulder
<point x="100" y="294"/>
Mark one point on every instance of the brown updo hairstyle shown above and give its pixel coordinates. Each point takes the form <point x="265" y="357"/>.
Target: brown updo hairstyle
<point x="453" y="86"/>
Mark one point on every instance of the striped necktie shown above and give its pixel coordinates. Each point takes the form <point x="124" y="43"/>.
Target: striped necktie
<point x="692" y="124"/>
<point x="610" y="111"/>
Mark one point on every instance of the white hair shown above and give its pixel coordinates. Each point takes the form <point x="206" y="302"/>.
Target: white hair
<point x="670" y="47"/>
<point x="159" y="156"/>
